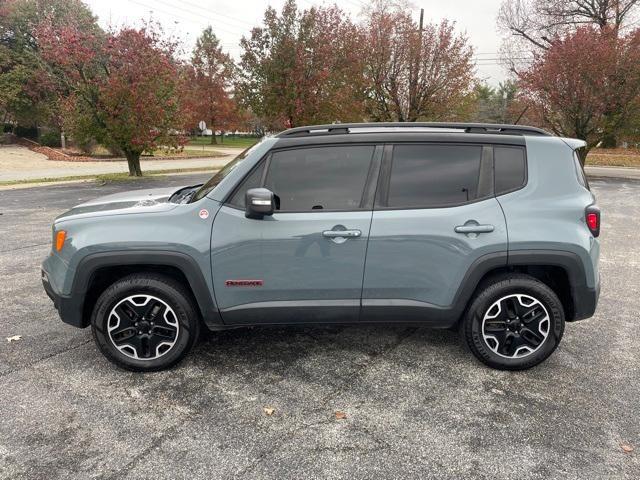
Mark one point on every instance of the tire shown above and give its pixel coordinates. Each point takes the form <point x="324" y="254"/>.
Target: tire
<point x="504" y="326"/>
<point x="145" y="322"/>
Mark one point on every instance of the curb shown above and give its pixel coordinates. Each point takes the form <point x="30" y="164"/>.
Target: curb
<point x="619" y="173"/>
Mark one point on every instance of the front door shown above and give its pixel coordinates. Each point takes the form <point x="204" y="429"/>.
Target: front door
<point x="305" y="263"/>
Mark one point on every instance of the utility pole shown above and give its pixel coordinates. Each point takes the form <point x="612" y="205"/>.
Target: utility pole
<point x="421" y="18"/>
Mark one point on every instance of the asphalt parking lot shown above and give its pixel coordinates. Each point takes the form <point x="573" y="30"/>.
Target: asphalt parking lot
<point x="417" y="405"/>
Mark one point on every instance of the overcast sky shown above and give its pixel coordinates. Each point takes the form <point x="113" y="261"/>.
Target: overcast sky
<point x="231" y="19"/>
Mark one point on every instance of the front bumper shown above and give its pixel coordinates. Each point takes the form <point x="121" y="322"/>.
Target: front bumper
<point x="69" y="308"/>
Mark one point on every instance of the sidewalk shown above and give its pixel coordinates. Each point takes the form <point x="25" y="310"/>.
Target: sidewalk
<point x="20" y="163"/>
<point x="613" y="172"/>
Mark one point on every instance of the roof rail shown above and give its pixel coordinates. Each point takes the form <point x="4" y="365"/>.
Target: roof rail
<point x="342" y="128"/>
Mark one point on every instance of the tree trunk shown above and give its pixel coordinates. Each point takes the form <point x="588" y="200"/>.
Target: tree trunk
<point x="213" y="134"/>
<point x="221" y="136"/>
<point x="609" y="140"/>
<point x="133" y="160"/>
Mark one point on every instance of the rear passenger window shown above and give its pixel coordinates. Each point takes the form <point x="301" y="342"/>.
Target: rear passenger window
<point x="320" y="178"/>
<point x="509" y="168"/>
<point x="424" y="176"/>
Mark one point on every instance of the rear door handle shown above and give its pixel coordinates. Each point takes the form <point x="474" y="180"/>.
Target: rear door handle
<point x="474" y="228"/>
<point x="341" y="233"/>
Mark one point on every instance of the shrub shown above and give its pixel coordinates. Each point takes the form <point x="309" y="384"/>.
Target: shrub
<point x="50" y="139"/>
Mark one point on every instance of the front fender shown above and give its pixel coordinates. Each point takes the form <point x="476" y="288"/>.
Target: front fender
<point x="91" y="264"/>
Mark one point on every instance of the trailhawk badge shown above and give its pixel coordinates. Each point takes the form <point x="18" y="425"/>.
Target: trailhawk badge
<point x="204" y="214"/>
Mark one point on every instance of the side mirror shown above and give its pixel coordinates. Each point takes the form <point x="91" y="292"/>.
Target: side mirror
<point x="259" y="202"/>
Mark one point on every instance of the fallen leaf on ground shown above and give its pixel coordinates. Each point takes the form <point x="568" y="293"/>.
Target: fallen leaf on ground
<point x="497" y="391"/>
<point x="15" y="338"/>
<point x="340" y="415"/>
<point x="626" y="448"/>
<point x="269" y="410"/>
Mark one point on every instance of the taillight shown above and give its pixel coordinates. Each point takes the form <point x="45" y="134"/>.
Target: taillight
<point x="592" y="217"/>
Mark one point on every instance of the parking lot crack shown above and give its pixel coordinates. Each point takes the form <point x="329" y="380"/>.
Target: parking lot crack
<point x="46" y="357"/>
<point x="155" y="444"/>
<point x="25" y="247"/>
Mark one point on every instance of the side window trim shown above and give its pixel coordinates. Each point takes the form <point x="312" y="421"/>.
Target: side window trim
<point x="264" y="160"/>
<point x="382" y="196"/>
<point x="371" y="183"/>
<point x="486" y="177"/>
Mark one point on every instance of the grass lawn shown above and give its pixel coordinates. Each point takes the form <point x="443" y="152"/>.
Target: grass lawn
<point x="242" y="142"/>
<point x="616" y="157"/>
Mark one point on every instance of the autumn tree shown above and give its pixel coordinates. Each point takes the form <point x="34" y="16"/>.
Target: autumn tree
<point x="532" y="26"/>
<point x="119" y="88"/>
<point x="25" y="94"/>
<point x="415" y="72"/>
<point x="208" y="91"/>
<point x="576" y="83"/>
<point x="537" y="22"/>
<point x="303" y="67"/>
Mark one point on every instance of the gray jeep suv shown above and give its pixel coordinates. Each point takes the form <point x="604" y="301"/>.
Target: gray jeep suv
<point x="487" y="228"/>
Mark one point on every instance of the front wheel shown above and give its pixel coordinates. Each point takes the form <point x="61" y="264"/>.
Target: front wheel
<point x="145" y="322"/>
<point x="513" y="323"/>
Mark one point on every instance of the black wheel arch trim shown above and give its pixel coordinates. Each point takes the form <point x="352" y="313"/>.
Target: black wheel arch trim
<point x="89" y="265"/>
<point x="585" y="298"/>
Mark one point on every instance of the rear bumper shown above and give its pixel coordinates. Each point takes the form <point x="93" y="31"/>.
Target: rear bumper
<point x="69" y="308"/>
<point x="585" y="301"/>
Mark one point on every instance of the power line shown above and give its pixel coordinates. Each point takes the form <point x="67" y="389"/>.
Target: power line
<point x="172" y="14"/>
<point x="193" y="5"/>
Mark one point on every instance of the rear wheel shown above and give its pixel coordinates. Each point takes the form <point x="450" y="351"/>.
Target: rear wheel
<point x="514" y="322"/>
<point x="145" y="322"/>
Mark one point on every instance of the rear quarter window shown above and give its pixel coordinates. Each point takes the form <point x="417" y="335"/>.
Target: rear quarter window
<point x="582" y="178"/>
<point x="510" y="169"/>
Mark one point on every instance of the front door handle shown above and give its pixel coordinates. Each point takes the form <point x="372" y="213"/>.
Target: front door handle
<point x="341" y="233"/>
<point x="474" y="228"/>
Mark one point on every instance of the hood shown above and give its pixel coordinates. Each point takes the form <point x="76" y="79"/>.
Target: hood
<point x="138" y="201"/>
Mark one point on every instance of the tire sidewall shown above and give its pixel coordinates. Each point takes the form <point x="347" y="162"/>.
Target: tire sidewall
<point x="479" y="307"/>
<point x="142" y="286"/>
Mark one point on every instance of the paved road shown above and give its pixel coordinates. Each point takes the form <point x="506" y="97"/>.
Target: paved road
<point x="417" y="405"/>
<point x="613" y="172"/>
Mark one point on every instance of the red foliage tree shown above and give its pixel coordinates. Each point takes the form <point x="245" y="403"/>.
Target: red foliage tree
<point x="586" y="84"/>
<point x="208" y="83"/>
<point x="415" y="74"/>
<point x="303" y="67"/>
<point x="118" y="88"/>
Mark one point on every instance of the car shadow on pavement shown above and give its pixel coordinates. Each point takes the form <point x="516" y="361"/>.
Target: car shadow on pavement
<point x="331" y="345"/>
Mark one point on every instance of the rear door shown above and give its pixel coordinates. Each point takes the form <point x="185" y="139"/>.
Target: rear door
<point x="435" y="215"/>
<point x="304" y="263"/>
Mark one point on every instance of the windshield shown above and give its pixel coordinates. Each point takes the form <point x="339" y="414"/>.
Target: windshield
<point x="218" y="177"/>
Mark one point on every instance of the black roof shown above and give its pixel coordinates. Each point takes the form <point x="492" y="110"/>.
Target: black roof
<point x="421" y="127"/>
